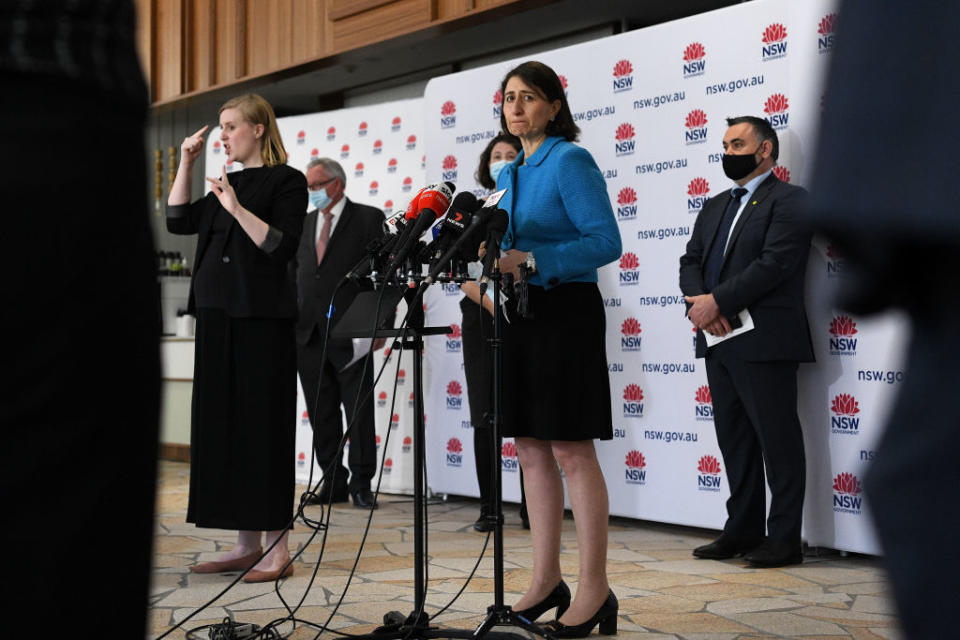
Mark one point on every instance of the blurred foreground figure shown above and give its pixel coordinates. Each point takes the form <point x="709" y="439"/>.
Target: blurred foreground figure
<point x="887" y="192"/>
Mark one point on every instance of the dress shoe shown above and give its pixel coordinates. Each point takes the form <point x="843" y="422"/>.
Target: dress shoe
<point x="255" y="575"/>
<point x="606" y="617"/>
<point x="726" y="547"/>
<point x="323" y="495"/>
<point x="559" y="598"/>
<point x="363" y="499"/>
<point x="484" y="523"/>
<point x="219" y="566"/>
<point x="775" y="553"/>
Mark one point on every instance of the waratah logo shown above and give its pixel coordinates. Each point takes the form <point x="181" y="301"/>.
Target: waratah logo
<point x="448" y="115"/>
<point x="345" y="151"/>
<point x="774" y="42"/>
<point x="454" y="452"/>
<point x="497" y="104"/>
<point x="627" y="204"/>
<point x="411" y="142"/>
<point x="382" y="399"/>
<point x="407" y="184"/>
<point x="636" y="471"/>
<point x="358" y="170"/>
<point x="625" y="144"/>
<point x="704" y="407"/>
<point x="697" y="192"/>
<point x="696" y="124"/>
<point x="632" y="401"/>
<point x="362" y="129"/>
<point x="846" y="494"/>
<point x="508" y="456"/>
<point x="834" y="261"/>
<point x="694" y="60"/>
<point x="842" y="342"/>
<point x="377" y="147"/>
<point x="782" y="173"/>
<point x="305" y="418"/>
<point x="709" y="478"/>
<point x="388" y="466"/>
<point x="395" y="124"/>
<point x="410" y="400"/>
<point x="423" y="161"/>
<point x="450" y="168"/>
<point x="332" y="133"/>
<point x="401" y="376"/>
<point x="826" y="28"/>
<point x="630" y="335"/>
<point x="301" y="459"/>
<point x="629" y="273"/>
<point x="454" y="339"/>
<point x="407" y="443"/>
<point x="388" y="207"/>
<point x="622" y="76"/>
<point x="315" y="153"/>
<point x="378" y="443"/>
<point x="844" y="420"/>
<point x="301" y="137"/>
<point x="392" y="165"/>
<point x="374" y="188"/>
<point x="395" y="421"/>
<point x="216" y="146"/>
<point x="454" y="395"/>
<point x="777" y="109"/>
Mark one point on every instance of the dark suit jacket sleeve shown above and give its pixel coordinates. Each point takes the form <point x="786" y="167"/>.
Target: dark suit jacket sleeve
<point x="785" y="249"/>
<point x="184" y="219"/>
<point x="691" y="275"/>
<point x="285" y="218"/>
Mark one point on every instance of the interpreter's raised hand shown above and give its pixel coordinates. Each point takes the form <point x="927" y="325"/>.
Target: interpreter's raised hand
<point x="225" y="193"/>
<point x="192" y="146"/>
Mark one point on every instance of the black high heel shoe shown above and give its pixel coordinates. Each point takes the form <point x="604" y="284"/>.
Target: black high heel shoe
<point x="606" y="617"/>
<point x="559" y="598"/>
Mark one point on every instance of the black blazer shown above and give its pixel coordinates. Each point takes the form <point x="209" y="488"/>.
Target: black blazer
<point x="259" y="284"/>
<point x="358" y="225"/>
<point x="763" y="271"/>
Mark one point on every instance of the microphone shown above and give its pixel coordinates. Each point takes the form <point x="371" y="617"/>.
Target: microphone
<point x="479" y="219"/>
<point x="499" y="221"/>
<point x="376" y="251"/>
<point x="461" y="213"/>
<point x="432" y="202"/>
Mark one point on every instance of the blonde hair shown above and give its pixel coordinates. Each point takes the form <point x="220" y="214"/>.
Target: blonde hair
<point x="256" y="111"/>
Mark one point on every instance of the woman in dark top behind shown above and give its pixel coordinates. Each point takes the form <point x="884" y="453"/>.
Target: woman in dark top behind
<point x="244" y="389"/>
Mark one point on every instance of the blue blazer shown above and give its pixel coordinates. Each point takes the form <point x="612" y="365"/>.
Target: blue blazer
<point x="559" y="209"/>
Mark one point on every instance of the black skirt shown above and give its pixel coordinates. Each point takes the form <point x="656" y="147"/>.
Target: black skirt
<point x="555" y="380"/>
<point x="242" y="436"/>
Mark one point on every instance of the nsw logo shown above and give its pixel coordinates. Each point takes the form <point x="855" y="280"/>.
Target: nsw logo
<point x="696" y="124"/>
<point x="627" y="204"/>
<point x="388" y="466"/>
<point x="407" y="184"/>
<point x="774" y="42"/>
<point x="362" y="129"/>
<point x="305" y="419"/>
<point x="703" y="410"/>
<point x="694" y="60"/>
<point x="451" y="289"/>
<point x="411" y="142"/>
<point x="630" y="335"/>
<point x="388" y="207"/>
<point x="382" y="399"/>
<point x="844" y="420"/>
<point x="697" y="192"/>
<point x="625" y="145"/>
<point x="497" y="104"/>
<point x="454" y="452"/>
<point x="448" y="115"/>
<point x="392" y="165"/>
<point x="395" y="421"/>
<point x="826" y="28"/>
<point x="782" y="173"/>
<point x="395" y="123"/>
<point x="332" y="133"/>
<point x="450" y="168"/>
<point x="407" y="443"/>
<point x="301" y="137"/>
<point x="842" y="342"/>
<point x="377" y="147"/>
<point x="777" y="108"/>
<point x="358" y="170"/>
<point x="401" y="376"/>
<point x="508" y="457"/>
<point x="846" y="494"/>
<point x="632" y="401"/>
<point x="315" y="153"/>
<point x="216" y="146"/>
<point x="629" y="271"/>
<point x="834" y="261"/>
<point x="636" y="471"/>
<point x="301" y="459"/>
<point x="374" y="188"/>
<point x="454" y="395"/>
<point x="454" y="339"/>
<point x="345" y="151"/>
<point x="622" y="76"/>
<point x="410" y="400"/>
<point x="709" y="478"/>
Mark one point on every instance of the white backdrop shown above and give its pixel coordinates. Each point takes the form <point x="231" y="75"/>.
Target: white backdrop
<point x="651" y="105"/>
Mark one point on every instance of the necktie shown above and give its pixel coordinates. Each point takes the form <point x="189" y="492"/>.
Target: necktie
<point x="324" y="236"/>
<point x="711" y="269"/>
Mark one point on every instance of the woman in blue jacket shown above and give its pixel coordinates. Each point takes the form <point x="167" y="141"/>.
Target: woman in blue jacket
<point x="556" y="386"/>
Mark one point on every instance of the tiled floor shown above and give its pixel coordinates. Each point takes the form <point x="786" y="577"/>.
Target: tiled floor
<point x="663" y="592"/>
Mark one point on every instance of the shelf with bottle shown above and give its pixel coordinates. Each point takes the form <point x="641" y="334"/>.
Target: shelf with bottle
<point x="172" y="263"/>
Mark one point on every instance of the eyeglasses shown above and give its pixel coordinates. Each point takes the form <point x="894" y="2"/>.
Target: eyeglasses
<point x="316" y="186"/>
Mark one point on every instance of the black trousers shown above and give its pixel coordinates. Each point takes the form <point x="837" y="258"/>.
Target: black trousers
<point x="324" y="395"/>
<point x="755" y="415"/>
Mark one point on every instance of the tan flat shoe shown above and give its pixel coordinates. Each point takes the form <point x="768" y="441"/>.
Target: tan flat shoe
<point x="268" y="576"/>
<point x="219" y="566"/>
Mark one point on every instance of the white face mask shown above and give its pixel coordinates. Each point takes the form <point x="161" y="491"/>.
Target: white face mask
<point x="319" y="199"/>
<point x="497" y="167"/>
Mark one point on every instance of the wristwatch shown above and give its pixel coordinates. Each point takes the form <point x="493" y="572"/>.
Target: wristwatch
<point x="531" y="263"/>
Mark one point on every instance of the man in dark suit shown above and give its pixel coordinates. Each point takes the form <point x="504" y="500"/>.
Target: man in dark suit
<point x="335" y="234"/>
<point x="748" y="251"/>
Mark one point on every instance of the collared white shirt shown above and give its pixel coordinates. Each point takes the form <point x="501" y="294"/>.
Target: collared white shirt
<point x="750" y="187"/>
<point x="336" y="210"/>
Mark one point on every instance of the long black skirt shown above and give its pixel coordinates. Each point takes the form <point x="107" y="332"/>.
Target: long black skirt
<point x="555" y="380"/>
<point x="242" y="436"/>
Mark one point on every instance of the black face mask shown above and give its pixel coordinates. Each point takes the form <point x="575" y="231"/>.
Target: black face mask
<point x="737" y="167"/>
